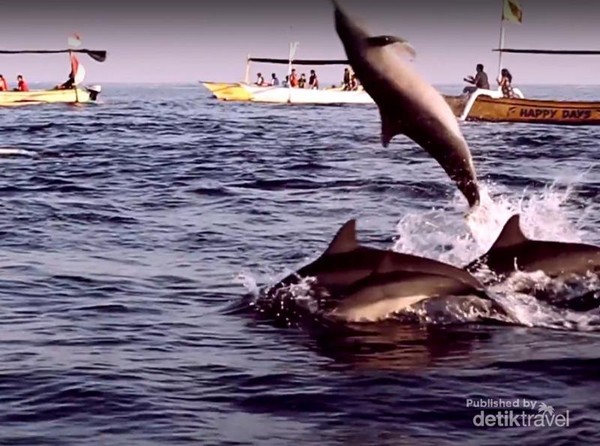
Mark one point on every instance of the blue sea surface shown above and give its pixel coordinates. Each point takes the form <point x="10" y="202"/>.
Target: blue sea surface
<point x="132" y="231"/>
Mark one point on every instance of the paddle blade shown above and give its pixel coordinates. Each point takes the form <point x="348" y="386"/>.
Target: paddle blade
<point x="97" y="55"/>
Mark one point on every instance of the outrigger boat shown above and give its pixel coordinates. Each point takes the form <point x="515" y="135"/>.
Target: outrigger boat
<point x="491" y="106"/>
<point x="247" y="92"/>
<point x="73" y="94"/>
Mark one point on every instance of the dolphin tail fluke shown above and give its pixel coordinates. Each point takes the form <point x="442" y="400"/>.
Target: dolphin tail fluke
<point x="470" y="189"/>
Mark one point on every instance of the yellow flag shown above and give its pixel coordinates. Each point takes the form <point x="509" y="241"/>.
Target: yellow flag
<point x="512" y="11"/>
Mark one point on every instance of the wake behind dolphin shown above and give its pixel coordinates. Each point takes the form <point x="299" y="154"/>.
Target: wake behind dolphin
<point x="408" y="105"/>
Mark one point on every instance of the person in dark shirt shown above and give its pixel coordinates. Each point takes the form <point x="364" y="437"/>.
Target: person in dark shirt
<point x="346" y="81"/>
<point x="302" y="81"/>
<point x="313" y="81"/>
<point x="479" y="81"/>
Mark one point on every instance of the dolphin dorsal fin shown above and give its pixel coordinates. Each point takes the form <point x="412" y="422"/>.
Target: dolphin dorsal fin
<point x="511" y="234"/>
<point x="390" y="127"/>
<point x="344" y="240"/>
<point x="403" y="44"/>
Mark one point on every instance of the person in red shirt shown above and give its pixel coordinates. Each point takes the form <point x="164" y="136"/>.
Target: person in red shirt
<point x="22" y="85"/>
<point x="293" y="78"/>
<point x="3" y="84"/>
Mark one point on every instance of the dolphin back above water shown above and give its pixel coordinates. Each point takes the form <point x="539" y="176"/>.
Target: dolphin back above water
<point x="367" y="284"/>
<point x="346" y="261"/>
<point x="408" y="105"/>
<point x="513" y="251"/>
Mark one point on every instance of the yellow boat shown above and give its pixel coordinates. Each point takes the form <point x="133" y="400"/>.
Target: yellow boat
<point x="232" y="91"/>
<point x="74" y="93"/>
<point x="69" y="96"/>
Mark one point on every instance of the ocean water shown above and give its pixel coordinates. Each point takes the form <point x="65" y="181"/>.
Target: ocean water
<point x="135" y="233"/>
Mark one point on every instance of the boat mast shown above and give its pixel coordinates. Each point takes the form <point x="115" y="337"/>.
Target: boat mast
<point x="73" y="73"/>
<point x="247" y="76"/>
<point x="501" y="43"/>
<point x="293" y="47"/>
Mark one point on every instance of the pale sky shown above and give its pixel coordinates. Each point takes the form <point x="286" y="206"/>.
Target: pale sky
<point x="185" y="41"/>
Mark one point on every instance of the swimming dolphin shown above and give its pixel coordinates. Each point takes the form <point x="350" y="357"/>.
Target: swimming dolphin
<point x="407" y="104"/>
<point x="390" y="288"/>
<point x="513" y="251"/>
<point x="345" y="262"/>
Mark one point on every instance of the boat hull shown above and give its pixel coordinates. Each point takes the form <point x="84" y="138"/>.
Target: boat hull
<point x="68" y="96"/>
<point x="532" y="111"/>
<point x="283" y="95"/>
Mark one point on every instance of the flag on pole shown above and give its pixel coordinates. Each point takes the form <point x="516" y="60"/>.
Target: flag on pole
<point x="74" y="40"/>
<point x="512" y="11"/>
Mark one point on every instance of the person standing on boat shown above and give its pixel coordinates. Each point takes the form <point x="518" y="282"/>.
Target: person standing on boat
<point x="505" y="83"/>
<point x="3" y="84"/>
<point x="313" y="81"/>
<point x="480" y="80"/>
<point x="21" y="84"/>
<point x="274" y="80"/>
<point x="346" y="81"/>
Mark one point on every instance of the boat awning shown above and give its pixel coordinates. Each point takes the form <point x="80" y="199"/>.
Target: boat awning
<point x="97" y="55"/>
<point x="299" y="61"/>
<point x="541" y="51"/>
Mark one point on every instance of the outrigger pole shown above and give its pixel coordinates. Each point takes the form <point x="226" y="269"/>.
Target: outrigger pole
<point x="97" y="55"/>
<point x="553" y="52"/>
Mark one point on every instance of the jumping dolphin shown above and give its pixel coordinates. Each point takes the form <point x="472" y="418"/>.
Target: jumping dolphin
<point x="407" y="104"/>
<point x="345" y="262"/>
<point x="513" y="251"/>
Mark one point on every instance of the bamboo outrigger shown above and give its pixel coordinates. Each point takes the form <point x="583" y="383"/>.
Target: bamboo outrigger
<point x="73" y="94"/>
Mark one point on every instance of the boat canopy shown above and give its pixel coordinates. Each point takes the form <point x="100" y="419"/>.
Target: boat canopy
<point x="540" y="51"/>
<point x="299" y="61"/>
<point x="97" y="55"/>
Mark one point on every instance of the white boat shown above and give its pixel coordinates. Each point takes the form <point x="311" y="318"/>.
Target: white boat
<point x="241" y="91"/>
<point x="247" y="92"/>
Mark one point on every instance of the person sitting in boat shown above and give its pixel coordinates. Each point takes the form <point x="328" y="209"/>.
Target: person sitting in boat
<point x="293" y="78"/>
<point x="260" y="80"/>
<point x="302" y="81"/>
<point x="479" y="81"/>
<point x="354" y="83"/>
<point x="313" y="81"/>
<point x="21" y="84"/>
<point x="286" y="82"/>
<point x="68" y="84"/>
<point x="274" y="80"/>
<point x="505" y="83"/>
<point x="3" y="83"/>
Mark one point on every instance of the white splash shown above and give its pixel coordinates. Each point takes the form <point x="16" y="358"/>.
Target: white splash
<point x="450" y="236"/>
